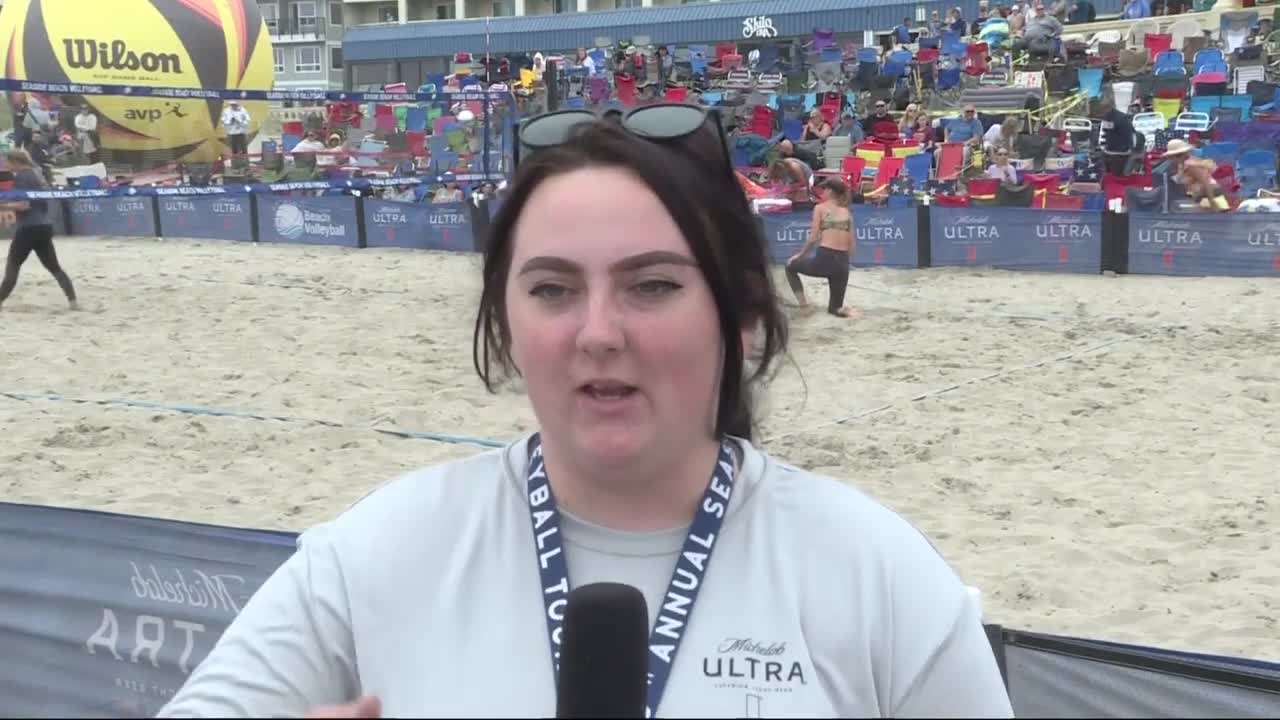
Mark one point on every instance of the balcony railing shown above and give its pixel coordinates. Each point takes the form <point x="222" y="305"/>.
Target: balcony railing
<point x="296" y="28"/>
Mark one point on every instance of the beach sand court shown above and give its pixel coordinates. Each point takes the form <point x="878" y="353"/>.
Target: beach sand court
<point x="1098" y="454"/>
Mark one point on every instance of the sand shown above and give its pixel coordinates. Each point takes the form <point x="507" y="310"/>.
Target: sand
<point x="1098" y="454"/>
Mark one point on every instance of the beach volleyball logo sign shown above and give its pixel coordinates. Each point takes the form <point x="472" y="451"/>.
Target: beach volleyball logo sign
<point x="199" y="44"/>
<point x="289" y="222"/>
<point x="298" y="221"/>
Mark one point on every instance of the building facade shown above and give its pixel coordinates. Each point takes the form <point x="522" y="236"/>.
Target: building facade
<point x="306" y="42"/>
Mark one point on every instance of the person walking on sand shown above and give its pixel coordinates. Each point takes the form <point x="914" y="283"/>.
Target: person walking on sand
<point x="832" y="233"/>
<point x="34" y="230"/>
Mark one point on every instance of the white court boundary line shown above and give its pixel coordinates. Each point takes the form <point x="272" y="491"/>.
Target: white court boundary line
<point x="956" y="386"/>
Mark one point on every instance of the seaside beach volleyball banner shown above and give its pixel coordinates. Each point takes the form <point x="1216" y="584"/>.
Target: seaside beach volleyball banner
<point x="1016" y="238"/>
<point x="446" y="226"/>
<point x="883" y="237"/>
<point x="326" y="220"/>
<point x="1237" y="244"/>
<point x="225" y="217"/>
<point x="105" y="615"/>
<point x="122" y="216"/>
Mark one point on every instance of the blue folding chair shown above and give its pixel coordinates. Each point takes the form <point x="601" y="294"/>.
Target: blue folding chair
<point x="792" y="128"/>
<point x="1090" y="81"/>
<point x="1169" y="62"/>
<point x="897" y="64"/>
<point x="1256" y="170"/>
<point x="948" y="77"/>
<point x="1221" y="152"/>
<point x="830" y="54"/>
<point x="1205" y="58"/>
<point x="953" y="45"/>
<point x="867" y="54"/>
<point x="918" y="167"/>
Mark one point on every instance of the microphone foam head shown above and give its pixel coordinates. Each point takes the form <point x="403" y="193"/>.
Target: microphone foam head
<point x="604" y="653"/>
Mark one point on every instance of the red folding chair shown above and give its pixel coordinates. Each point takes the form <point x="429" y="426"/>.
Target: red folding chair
<point x="851" y="169"/>
<point x="951" y="200"/>
<point x="1156" y="43"/>
<point x="981" y="188"/>
<point x="890" y="168"/>
<point x="951" y="161"/>
<point x="677" y="94"/>
<point x="975" y="59"/>
<point x="1058" y="201"/>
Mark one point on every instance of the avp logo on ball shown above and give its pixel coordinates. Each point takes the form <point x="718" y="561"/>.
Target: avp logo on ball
<point x="84" y="54"/>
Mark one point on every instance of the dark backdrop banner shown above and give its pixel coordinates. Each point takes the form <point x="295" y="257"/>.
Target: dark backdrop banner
<point x="1239" y="244"/>
<point x="1016" y="238"/>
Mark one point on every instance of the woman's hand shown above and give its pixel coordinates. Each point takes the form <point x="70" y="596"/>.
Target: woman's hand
<point x="364" y="707"/>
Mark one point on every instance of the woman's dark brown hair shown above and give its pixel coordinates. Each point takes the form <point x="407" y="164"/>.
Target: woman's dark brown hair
<point x="692" y="179"/>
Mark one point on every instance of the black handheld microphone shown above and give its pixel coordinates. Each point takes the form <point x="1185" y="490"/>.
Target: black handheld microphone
<point x="604" y="653"/>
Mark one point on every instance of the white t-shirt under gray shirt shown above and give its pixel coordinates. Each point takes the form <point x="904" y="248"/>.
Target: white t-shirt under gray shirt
<point x="819" y="602"/>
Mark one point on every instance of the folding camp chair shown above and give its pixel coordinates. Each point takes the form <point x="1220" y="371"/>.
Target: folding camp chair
<point x="1148" y="124"/>
<point x="1192" y="122"/>
<point x="1156" y="43"/>
<point x="1091" y="81"/>
<point x="950" y="161"/>
<point x="1256" y="170"/>
<point x="888" y="169"/>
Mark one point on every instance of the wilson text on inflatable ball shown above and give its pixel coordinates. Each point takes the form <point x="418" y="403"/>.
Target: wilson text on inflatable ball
<point x="88" y="55"/>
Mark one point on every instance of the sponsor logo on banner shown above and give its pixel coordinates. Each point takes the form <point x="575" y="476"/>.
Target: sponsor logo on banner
<point x="140" y="637"/>
<point x="293" y="221"/>
<point x="970" y="228"/>
<point x="1169" y="232"/>
<point x="1058" y="228"/>
<point x="1240" y="245"/>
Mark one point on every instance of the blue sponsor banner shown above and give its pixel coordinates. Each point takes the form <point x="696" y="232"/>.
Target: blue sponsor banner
<point x="883" y="236"/>
<point x="446" y="226"/>
<point x="327" y="220"/>
<point x="125" y="216"/>
<point x="106" y="615"/>
<point x="1017" y="238"/>
<point x="1237" y="244"/>
<point x="215" y="217"/>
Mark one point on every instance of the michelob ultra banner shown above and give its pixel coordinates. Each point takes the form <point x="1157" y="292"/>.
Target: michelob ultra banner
<point x="1016" y="238"/>
<point x="446" y="226"/>
<point x="882" y="237"/>
<point x="1237" y="244"/>
<point x="105" y="615"/>
<point x="120" y="216"/>
<point x="211" y="217"/>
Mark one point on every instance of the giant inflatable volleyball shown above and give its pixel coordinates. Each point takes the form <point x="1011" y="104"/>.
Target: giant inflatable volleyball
<point x="158" y="43"/>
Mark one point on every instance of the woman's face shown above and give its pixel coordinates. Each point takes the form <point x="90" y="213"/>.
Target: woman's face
<point x="613" y="327"/>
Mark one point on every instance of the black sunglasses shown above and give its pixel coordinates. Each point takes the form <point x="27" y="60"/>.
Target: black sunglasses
<point x="663" y="122"/>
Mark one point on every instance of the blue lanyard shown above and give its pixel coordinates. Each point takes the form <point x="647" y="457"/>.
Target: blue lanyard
<point x="686" y="580"/>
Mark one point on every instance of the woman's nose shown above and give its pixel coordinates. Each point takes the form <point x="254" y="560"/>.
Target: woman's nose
<point x="600" y="331"/>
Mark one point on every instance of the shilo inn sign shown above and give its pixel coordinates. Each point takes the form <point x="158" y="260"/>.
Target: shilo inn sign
<point x="758" y="26"/>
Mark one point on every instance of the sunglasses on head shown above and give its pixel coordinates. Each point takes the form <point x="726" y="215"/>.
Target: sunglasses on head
<point x="663" y="122"/>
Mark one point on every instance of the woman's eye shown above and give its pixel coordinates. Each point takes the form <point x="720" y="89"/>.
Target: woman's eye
<point x="655" y="287"/>
<point x="549" y="291"/>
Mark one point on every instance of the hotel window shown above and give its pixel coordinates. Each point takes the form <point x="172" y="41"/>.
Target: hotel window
<point x="277" y="54"/>
<point x="307" y="60"/>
